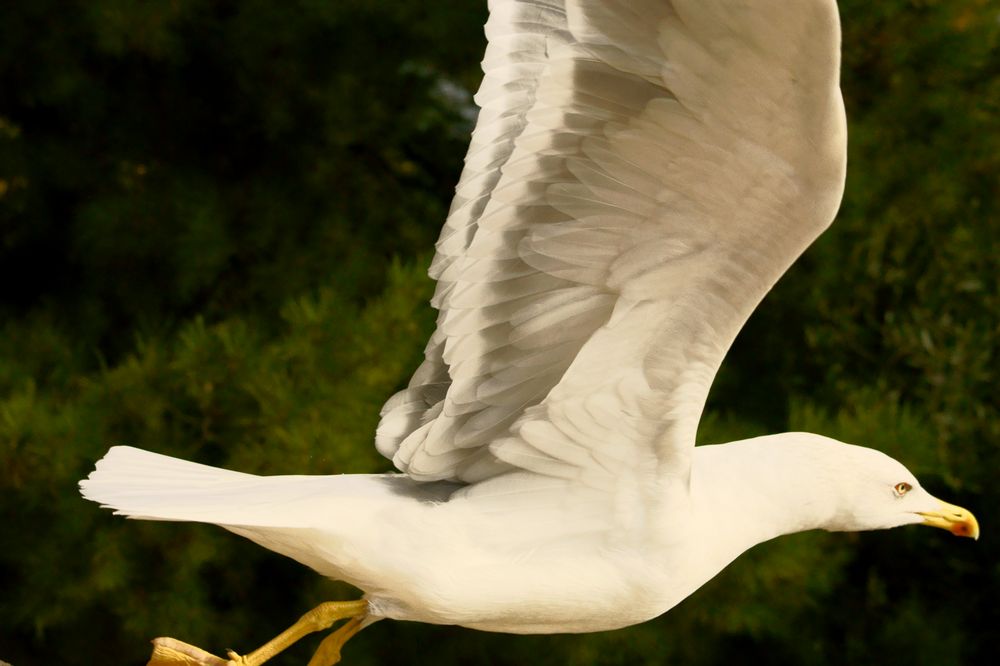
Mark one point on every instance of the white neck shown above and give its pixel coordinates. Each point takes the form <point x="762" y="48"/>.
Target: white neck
<point x="758" y="489"/>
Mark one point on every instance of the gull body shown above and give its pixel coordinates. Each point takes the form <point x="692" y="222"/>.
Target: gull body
<point x="542" y="561"/>
<point x="642" y="172"/>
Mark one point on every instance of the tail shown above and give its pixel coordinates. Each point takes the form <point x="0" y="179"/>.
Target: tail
<point x="287" y="514"/>
<point x="150" y="486"/>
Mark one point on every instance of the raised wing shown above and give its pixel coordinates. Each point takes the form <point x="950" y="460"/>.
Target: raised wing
<point x="662" y="165"/>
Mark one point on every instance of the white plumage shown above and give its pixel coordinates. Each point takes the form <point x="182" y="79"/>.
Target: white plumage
<point x="641" y="173"/>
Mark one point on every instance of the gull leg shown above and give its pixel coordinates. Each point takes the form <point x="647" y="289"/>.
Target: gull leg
<point x="171" y="652"/>
<point x="318" y="619"/>
<point x="328" y="652"/>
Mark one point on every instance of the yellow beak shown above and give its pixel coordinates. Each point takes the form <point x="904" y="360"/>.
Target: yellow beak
<point x="955" y="519"/>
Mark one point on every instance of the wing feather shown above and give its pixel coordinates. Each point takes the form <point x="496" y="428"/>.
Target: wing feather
<point x="641" y="174"/>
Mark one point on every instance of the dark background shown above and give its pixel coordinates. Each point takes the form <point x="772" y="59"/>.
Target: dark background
<point x="215" y="220"/>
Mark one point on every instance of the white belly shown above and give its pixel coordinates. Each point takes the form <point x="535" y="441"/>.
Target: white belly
<point x="560" y="595"/>
<point x="453" y="563"/>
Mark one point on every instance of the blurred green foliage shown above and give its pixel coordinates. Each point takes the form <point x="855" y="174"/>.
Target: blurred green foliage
<point x="215" y="219"/>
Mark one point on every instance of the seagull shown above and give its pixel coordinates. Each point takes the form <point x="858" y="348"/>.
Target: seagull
<point x="641" y="174"/>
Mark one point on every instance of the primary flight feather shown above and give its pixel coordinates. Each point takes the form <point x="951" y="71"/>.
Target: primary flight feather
<point x="641" y="174"/>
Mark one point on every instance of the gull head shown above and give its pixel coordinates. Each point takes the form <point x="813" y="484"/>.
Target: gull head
<point x="877" y="492"/>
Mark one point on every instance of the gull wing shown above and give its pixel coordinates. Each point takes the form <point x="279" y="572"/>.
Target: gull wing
<point x="642" y="173"/>
<point x="520" y="35"/>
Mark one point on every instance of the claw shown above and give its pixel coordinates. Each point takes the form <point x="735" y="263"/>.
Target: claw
<point x="235" y="659"/>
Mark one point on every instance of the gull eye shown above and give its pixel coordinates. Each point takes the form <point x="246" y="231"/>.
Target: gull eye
<point x="901" y="489"/>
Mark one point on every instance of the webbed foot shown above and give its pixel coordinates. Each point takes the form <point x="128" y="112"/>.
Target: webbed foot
<point x="172" y="652"/>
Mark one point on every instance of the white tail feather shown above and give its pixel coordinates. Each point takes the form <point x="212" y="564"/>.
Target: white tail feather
<point x="151" y="486"/>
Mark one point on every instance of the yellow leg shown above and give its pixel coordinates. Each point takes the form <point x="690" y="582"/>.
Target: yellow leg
<point x="171" y="652"/>
<point x="328" y="652"/>
<point x="318" y="619"/>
